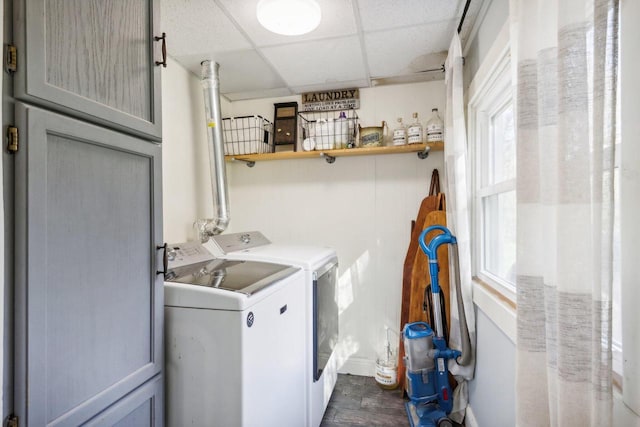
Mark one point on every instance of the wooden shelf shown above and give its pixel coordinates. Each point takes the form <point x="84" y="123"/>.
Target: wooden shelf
<point x="331" y="155"/>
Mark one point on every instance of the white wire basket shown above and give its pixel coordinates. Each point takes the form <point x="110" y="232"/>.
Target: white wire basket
<point x="327" y="130"/>
<point x="247" y="135"/>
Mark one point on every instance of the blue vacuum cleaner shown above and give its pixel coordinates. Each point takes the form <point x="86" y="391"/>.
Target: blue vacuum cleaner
<point x="427" y="351"/>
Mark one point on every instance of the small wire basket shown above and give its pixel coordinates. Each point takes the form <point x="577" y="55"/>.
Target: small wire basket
<point x="247" y="135"/>
<point x="327" y="130"/>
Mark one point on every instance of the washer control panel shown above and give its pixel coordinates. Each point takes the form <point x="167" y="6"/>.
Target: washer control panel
<point x="187" y="253"/>
<point x="233" y="242"/>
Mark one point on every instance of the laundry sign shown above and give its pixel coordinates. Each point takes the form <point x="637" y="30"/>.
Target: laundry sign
<point x="331" y="100"/>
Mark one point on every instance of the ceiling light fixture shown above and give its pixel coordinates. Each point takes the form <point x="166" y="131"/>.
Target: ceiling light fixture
<point x="289" y="17"/>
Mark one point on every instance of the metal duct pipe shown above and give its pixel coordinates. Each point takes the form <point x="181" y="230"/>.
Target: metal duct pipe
<point x="211" y="89"/>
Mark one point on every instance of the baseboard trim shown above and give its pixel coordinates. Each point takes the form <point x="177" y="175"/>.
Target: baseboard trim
<point x="470" y="418"/>
<point x="357" y="366"/>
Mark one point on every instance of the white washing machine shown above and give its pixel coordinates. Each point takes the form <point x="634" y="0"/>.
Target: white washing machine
<point x="320" y="265"/>
<point x="235" y="352"/>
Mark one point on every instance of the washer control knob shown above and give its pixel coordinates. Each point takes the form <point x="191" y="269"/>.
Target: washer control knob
<point x="245" y="238"/>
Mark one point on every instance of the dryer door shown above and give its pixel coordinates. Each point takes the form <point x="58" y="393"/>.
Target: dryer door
<point x="325" y="315"/>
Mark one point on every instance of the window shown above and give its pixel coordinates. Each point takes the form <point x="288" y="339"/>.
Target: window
<point x="493" y="156"/>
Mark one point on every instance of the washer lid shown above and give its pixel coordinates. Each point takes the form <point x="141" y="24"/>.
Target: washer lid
<point x="254" y="246"/>
<point x="246" y="277"/>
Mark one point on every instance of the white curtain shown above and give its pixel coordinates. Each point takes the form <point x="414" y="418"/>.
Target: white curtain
<point x="566" y="58"/>
<point x="457" y="193"/>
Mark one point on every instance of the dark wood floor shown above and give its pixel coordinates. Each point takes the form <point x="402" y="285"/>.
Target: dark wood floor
<point x="358" y="401"/>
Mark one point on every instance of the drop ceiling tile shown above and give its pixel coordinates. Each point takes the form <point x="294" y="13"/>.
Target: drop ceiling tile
<point x="395" y="52"/>
<point x="239" y="71"/>
<point x="384" y="14"/>
<point x="318" y="62"/>
<point x="397" y="42"/>
<point x="195" y="26"/>
<point x="331" y="86"/>
<point x="337" y="20"/>
<point x="266" y="93"/>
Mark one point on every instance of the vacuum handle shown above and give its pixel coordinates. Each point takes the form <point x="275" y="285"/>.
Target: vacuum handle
<point x="430" y="251"/>
<point x="441" y="239"/>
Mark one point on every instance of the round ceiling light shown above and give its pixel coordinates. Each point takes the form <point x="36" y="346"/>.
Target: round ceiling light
<point x="289" y="17"/>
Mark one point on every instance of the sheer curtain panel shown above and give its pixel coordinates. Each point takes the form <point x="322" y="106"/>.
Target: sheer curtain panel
<point x="457" y="191"/>
<point x="566" y="59"/>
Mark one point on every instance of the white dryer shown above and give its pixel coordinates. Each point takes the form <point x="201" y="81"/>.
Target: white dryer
<point x="320" y="265"/>
<point x="235" y="353"/>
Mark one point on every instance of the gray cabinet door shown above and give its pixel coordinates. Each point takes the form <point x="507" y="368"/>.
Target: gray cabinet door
<point x="94" y="59"/>
<point x="141" y="408"/>
<point x="88" y="301"/>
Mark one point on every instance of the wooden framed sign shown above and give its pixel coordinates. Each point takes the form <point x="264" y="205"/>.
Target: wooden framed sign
<point x="331" y="100"/>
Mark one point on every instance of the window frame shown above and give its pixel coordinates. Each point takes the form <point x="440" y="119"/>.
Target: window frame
<point x="490" y="93"/>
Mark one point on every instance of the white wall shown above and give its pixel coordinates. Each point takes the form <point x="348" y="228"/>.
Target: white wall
<point x="186" y="179"/>
<point x="492" y="391"/>
<point x="361" y="206"/>
<point x="492" y="16"/>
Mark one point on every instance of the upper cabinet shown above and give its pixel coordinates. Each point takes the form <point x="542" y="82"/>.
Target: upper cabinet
<point x="93" y="59"/>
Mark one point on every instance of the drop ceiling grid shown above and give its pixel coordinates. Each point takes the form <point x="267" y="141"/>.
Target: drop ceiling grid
<point x="356" y="41"/>
<point x="392" y="52"/>
<point x="193" y="25"/>
<point x="317" y="62"/>
<point x="255" y="94"/>
<point x="384" y="14"/>
<point x="345" y="84"/>
<point x="239" y="70"/>
<point x="337" y="20"/>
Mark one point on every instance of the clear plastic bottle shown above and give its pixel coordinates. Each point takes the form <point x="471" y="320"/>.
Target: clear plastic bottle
<point x="435" y="127"/>
<point x="414" y="132"/>
<point x="400" y="133"/>
<point x="342" y="131"/>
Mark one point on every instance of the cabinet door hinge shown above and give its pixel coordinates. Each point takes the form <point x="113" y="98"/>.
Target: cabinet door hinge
<point x="11" y="59"/>
<point x="12" y="139"/>
<point x="11" y="421"/>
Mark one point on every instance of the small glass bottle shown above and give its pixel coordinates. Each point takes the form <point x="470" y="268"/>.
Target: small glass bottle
<point x="414" y="133"/>
<point x="435" y="127"/>
<point x="400" y="133"/>
<point x="386" y="374"/>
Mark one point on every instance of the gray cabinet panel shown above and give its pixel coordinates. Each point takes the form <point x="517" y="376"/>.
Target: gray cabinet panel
<point x="143" y="407"/>
<point x="88" y="300"/>
<point x="115" y="69"/>
<point x="93" y="59"/>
